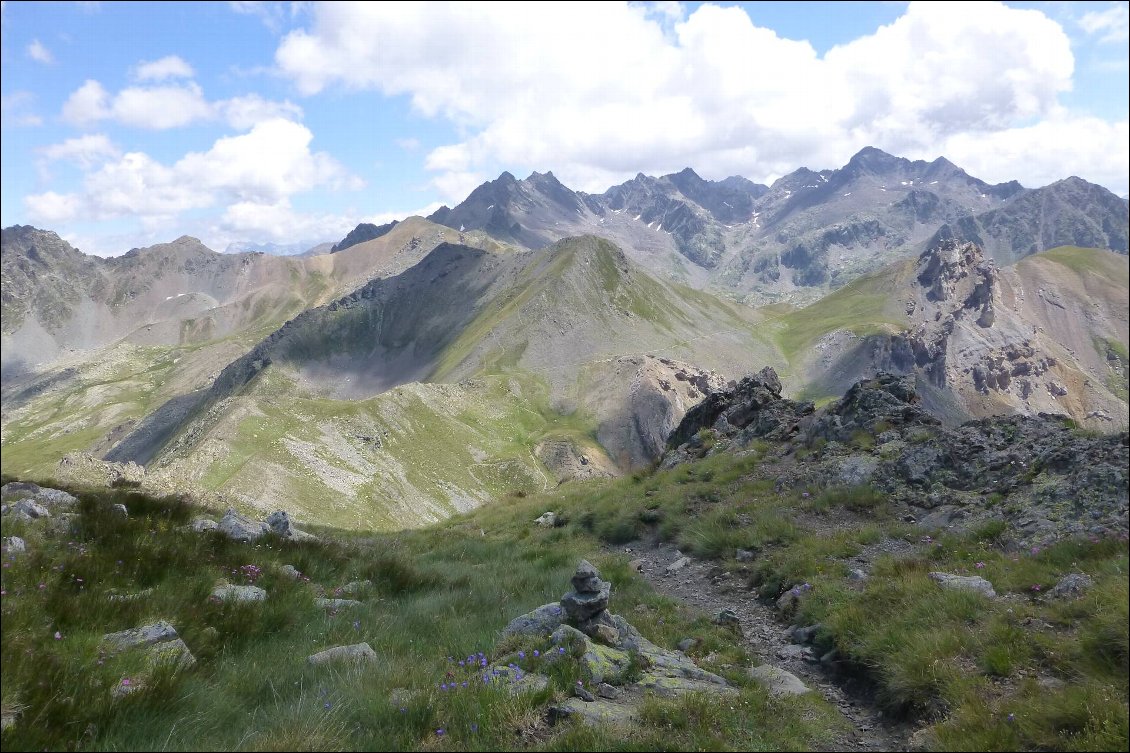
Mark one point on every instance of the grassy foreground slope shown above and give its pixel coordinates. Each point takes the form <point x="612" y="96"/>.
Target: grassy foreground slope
<point x="1021" y="672"/>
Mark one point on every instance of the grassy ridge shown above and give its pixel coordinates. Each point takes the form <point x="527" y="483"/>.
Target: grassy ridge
<point x="438" y="596"/>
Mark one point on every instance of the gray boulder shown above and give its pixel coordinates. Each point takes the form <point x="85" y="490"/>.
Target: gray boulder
<point x="973" y="583"/>
<point x="119" y="509"/>
<point x="547" y="520"/>
<point x="279" y="523"/>
<point x="200" y="525"/>
<point x="28" y="510"/>
<point x="239" y="593"/>
<point x="540" y="622"/>
<point x="1071" y="585"/>
<point x="14" y="544"/>
<point x="145" y="635"/>
<point x="241" y="528"/>
<point x="358" y="653"/>
<point x="677" y="565"/>
<point x="777" y="681"/>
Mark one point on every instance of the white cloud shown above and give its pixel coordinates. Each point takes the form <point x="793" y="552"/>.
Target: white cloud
<point x="244" y="112"/>
<point x="600" y="94"/>
<point x="272" y="14"/>
<point x="409" y="144"/>
<point x="85" y="151"/>
<point x="16" y="110"/>
<point x="87" y="104"/>
<point x="170" y="66"/>
<point x="50" y="207"/>
<point x="161" y="107"/>
<point x="1088" y="147"/>
<point x="250" y="172"/>
<point x="1110" y="26"/>
<point x="171" y="105"/>
<point x="38" y="52"/>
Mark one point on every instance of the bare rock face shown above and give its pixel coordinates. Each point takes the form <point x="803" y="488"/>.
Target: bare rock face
<point x="240" y="527"/>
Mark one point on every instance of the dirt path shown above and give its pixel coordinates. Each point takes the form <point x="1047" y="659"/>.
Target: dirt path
<point x="703" y="586"/>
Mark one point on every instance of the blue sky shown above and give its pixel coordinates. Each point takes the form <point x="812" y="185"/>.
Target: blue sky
<point x="127" y="124"/>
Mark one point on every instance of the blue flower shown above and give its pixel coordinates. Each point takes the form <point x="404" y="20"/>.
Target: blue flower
<point x="561" y="650"/>
<point x="521" y="654"/>
<point x="536" y="653"/>
<point x="474" y="727"/>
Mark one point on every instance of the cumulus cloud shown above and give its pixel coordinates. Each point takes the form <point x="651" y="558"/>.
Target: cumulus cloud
<point x="170" y="105"/>
<point x="38" y="52"/>
<point x="599" y="95"/>
<point x="170" y="66"/>
<point x="252" y="172"/>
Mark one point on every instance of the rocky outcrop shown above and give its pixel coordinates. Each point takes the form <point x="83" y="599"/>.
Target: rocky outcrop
<point x="752" y="408"/>
<point x="1043" y="477"/>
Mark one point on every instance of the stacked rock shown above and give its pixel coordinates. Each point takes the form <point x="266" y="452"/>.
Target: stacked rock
<point x="587" y="604"/>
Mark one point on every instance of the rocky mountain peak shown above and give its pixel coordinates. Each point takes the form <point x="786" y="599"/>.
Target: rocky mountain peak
<point x="366" y="231"/>
<point x="874" y="161"/>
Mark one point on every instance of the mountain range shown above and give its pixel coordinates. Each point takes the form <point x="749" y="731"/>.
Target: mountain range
<point x="534" y="334"/>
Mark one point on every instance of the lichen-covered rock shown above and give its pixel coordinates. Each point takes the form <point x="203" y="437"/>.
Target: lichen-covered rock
<point x="200" y="525"/>
<point x="145" y="635"/>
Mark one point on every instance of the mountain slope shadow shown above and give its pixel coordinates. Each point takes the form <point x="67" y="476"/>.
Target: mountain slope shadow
<point x="387" y="333"/>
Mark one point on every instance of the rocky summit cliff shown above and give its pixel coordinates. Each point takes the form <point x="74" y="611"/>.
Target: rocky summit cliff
<point x="1033" y="337"/>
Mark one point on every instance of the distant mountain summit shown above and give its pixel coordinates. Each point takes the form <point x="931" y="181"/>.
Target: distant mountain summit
<point x="808" y="233"/>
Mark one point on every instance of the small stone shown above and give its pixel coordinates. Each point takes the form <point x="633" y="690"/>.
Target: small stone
<point x="636" y="565"/>
<point x="586" y="580"/>
<point x="357" y="653"/>
<point x="289" y="571"/>
<point x="677" y="565"/>
<point x="604" y="690"/>
<point x="606" y="634"/>
<point x="14" y="544"/>
<point x="744" y="555"/>
<point x="119" y="509"/>
<point x="336" y="603"/>
<point x="547" y="520"/>
<point x="857" y="575"/>
<point x="1071" y="585"/>
<point x="728" y="618"/>
<point x="583" y="694"/>
<point x="687" y="644"/>
<point x="581" y="607"/>
<point x="355" y="587"/>
<point x="806" y="634"/>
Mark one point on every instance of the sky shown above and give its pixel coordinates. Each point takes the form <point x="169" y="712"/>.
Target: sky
<point x="127" y="124"/>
